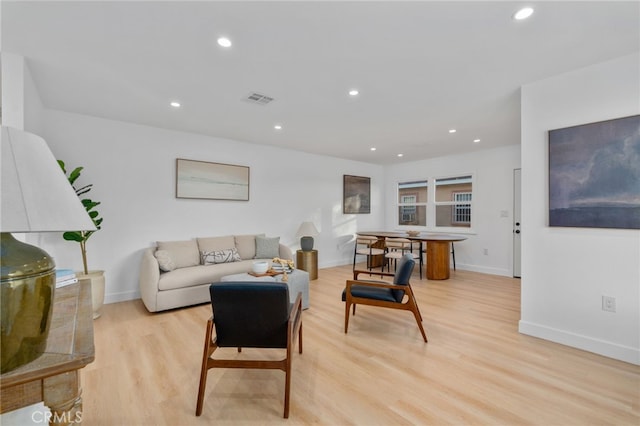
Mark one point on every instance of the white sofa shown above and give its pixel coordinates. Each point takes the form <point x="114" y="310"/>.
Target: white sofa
<point x="175" y="274"/>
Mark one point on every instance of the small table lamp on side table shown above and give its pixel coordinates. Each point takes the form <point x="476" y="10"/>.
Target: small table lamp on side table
<point x="307" y="258"/>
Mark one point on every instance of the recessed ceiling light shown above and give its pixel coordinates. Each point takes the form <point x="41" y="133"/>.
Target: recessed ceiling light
<point x="224" y="42"/>
<point x="373" y="148"/>
<point x="277" y="127"/>
<point x="523" y="13"/>
<point x="400" y="155"/>
<point x="452" y="130"/>
<point x="175" y="104"/>
<point x="476" y="140"/>
<point x="353" y="92"/>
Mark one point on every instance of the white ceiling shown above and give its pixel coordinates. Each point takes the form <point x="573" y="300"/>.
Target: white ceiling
<point x="422" y="68"/>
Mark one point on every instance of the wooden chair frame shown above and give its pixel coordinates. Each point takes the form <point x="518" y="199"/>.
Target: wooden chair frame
<point x="294" y="328"/>
<point x="409" y="302"/>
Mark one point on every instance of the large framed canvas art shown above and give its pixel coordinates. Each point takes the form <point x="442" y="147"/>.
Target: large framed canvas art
<point x="214" y="181"/>
<point x="594" y="175"/>
<point x="356" y="194"/>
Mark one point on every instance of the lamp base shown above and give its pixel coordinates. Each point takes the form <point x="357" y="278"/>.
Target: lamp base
<point x="27" y="285"/>
<point x="306" y="243"/>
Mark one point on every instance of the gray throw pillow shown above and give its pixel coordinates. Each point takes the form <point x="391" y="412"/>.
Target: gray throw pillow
<point x="267" y="247"/>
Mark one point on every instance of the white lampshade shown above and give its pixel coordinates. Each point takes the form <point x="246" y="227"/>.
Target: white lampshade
<point x="307" y="229"/>
<point x="36" y="195"/>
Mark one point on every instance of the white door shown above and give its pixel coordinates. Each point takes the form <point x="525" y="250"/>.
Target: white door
<point x="516" y="223"/>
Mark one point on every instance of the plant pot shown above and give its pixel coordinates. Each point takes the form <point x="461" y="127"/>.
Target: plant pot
<point x="97" y="289"/>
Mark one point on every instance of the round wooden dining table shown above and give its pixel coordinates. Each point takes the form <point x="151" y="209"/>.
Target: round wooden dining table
<point x="437" y="249"/>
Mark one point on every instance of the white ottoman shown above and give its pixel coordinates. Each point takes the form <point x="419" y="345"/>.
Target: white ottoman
<point x="298" y="282"/>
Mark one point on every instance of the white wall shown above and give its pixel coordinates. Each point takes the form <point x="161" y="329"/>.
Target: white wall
<point x="33" y="108"/>
<point x="492" y="193"/>
<point x="565" y="271"/>
<point x="13" y="99"/>
<point x="132" y="168"/>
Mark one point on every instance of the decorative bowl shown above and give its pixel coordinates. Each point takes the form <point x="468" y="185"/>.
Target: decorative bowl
<point x="413" y="233"/>
<point x="260" y="267"/>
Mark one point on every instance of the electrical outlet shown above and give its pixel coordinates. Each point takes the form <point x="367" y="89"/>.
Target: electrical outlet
<point x="608" y="303"/>
<point x="485" y="252"/>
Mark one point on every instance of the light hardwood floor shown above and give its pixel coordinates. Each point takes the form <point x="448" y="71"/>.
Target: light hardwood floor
<point x="476" y="369"/>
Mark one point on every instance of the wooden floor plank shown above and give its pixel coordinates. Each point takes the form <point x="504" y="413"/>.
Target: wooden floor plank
<point x="476" y="368"/>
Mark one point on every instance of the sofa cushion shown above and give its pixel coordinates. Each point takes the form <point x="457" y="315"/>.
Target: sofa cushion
<point x="216" y="243"/>
<point x="219" y="256"/>
<point x="201" y="274"/>
<point x="267" y="247"/>
<point x="164" y="260"/>
<point x="182" y="253"/>
<point x="246" y="245"/>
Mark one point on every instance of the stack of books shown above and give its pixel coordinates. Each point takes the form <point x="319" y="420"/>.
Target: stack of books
<point x="65" y="277"/>
<point x="276" y="267"/>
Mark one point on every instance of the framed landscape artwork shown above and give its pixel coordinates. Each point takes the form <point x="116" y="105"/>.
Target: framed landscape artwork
<point x="356" y="197"/>
<point x="214" y="181"/>
<point x="594" y="175"/>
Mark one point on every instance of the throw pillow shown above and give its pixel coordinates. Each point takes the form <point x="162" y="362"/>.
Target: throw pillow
<point x="267" y="248"/>
<point x="164" y="260"/>
<point x="220" y="256"/>
<point x="183" y="253"/>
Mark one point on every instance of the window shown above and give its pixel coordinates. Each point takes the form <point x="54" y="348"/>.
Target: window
<point x="453" y="201"/>
<point x="448" y="204"/>
<point x="462" y="208"/>
<point x="408" y="212"/>
<point x="412" y="203"/>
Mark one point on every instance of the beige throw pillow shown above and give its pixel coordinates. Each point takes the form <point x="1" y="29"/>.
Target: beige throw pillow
<point x="164" y="260"/>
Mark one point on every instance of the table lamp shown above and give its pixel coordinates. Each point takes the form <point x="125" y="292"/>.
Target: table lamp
<point x="306" y="232"/>
<point x="36" y="197"/>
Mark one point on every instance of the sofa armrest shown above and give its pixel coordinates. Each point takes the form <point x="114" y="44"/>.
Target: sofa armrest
<point x="149" y="278"/>
<point x="285" y="252"/>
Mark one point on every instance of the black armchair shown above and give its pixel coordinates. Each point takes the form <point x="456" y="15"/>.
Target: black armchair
<point x="251" y="315"/>
<point x="396" y="295"/>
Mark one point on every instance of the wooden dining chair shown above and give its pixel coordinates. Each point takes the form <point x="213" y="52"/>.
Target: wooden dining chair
<point x="396" y="295"/>
<point x="366" y="246"/>
<point x="251" y="315"/>
<point x="396" y="248"/>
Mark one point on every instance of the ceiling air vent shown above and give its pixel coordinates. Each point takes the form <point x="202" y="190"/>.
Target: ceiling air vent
<point x="257" y="98"/>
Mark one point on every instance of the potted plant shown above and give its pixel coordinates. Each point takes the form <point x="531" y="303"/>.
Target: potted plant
<point x="96" y="277"/>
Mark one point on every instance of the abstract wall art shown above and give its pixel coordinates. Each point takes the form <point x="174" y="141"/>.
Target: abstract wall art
<point x="215" y="181"/>
<point x="594" y="175"/>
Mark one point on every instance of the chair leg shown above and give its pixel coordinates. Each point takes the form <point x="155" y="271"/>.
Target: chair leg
<point x="287" y="384"/>
<point x="346" y="315"/>
<point x="355" y="253"/>
<point x="419" y="322"/>
<point x="203" y="369"/>
<point x="300" y="339"/>
<point x="453" y="253"/>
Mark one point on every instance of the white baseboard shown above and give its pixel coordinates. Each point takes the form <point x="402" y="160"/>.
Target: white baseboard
<point x="586" y="343"/>
<point x="484" y="269"/>
<point x="121" y="297"/>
